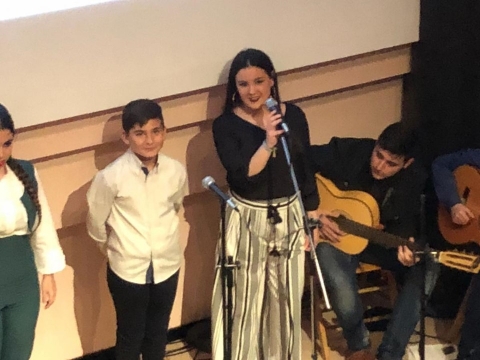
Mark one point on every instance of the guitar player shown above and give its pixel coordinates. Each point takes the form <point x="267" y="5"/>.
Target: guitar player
<point x="446" y="189"/>
<point x="384" y="168"/>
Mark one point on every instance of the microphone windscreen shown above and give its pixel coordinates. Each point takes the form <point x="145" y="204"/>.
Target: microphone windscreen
<point x="207" y="181"/>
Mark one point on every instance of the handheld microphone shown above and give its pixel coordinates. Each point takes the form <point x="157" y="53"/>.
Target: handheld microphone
<point x="272" y="105"/>
<point x="209" y="183"/>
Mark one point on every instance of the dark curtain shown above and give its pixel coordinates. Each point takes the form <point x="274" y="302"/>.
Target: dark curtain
<point x="442" y="100"/>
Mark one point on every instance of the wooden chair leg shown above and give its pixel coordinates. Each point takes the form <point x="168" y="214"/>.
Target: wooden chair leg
<point x="322" y="336"/>
<point x="319" y="320"/>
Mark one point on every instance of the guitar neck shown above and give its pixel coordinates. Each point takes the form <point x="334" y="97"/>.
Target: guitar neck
<point x="374" y="235"/>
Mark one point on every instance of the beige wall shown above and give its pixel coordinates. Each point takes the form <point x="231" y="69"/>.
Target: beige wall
<point x="353" y="97"/>
<point x="91" y="55"/>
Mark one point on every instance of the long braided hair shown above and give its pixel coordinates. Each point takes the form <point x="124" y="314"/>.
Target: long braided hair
<point x="6" y="123"/>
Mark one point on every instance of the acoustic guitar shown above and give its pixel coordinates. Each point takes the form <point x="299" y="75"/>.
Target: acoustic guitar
<point x="357" y="214"/>
<point x="468" y="186"/>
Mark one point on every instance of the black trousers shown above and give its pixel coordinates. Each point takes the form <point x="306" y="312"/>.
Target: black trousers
<point x="143" y="312"/>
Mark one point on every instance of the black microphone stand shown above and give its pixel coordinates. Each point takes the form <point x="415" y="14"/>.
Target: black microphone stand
<point x="308" y="230"/>
<point x="423" y="306"/>
<point x="422" y="251"/>
<point x="423" y="298"/>
<point x="423" y="267"/>
<point x="226" y="268"/>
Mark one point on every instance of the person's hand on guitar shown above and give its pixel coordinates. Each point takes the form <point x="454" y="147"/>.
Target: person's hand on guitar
<point x="461" y="214"/>
<point x="329" y="229"/>
<point x="406" y="256"/>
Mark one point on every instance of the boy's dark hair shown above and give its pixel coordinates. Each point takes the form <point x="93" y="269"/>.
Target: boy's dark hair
<point x="244" y="59"/>
<point x="139" y="112"/>
<point x="399" y="139"/>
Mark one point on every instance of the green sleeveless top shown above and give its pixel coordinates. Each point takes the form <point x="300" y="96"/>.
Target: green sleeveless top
<point x="16" y="255"/>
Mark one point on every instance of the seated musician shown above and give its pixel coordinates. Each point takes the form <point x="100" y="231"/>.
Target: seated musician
<point x="384" y="168"/>
<point x="446" y="189"/>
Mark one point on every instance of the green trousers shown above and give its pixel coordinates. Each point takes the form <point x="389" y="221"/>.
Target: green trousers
<point x="19" y="298"/>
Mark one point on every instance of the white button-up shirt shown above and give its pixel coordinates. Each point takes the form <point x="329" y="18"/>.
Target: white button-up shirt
<point x="49" y="257"/>
<point x="134" y="216"/>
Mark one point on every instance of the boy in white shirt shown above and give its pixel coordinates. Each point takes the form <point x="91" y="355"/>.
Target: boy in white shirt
<point x="133" y="215"/>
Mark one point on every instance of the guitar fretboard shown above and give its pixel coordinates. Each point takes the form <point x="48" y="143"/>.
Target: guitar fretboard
<point x="375" y="235"/>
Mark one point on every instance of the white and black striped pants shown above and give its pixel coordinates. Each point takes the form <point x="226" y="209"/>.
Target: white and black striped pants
<point x="268" y="285"/>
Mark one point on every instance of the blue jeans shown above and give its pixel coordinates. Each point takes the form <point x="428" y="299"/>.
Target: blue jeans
<point x="469" y="346"/>
<point x="340" y="279"/>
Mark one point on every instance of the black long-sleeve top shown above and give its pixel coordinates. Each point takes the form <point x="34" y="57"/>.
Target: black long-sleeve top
<point x="237" y="140"/>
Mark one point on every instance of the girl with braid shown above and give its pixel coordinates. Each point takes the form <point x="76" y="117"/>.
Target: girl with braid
<point x="28" y="244"/>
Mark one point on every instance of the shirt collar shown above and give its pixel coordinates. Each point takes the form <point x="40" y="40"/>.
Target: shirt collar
<point x="135" y="162"/>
